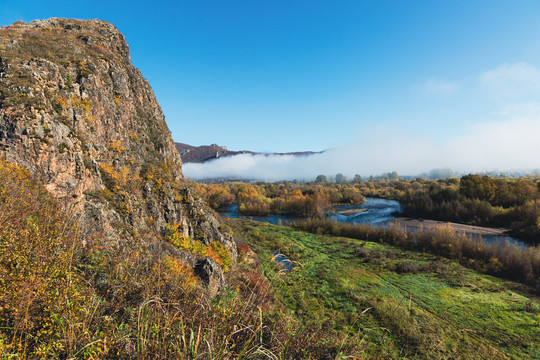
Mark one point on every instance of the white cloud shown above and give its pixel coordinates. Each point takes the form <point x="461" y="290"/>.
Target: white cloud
<point x="508" y="144"/>
<point x="437" y="87"/>
<point x="511" y="81"/>
<point x="504" y="145"/>
<point x="520" y="109"/>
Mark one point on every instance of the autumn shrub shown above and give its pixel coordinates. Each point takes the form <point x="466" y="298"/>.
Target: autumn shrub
<point x="243" y="249"/>
<point x="67" y="295"/>
<point x="479" y="200"/>
<point x="503" y="259"/>
<point x="41" y="294"/>
<point x="215" y="250"/>
<point x="408" y="267"/>
<point x="286" y="199"/>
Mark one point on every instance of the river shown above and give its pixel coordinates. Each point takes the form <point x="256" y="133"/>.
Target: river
<point x="381" y="212"/>
<point x="378" y="211"/>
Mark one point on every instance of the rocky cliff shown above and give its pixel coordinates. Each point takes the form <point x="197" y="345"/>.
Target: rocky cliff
<point x="83" y="120"/>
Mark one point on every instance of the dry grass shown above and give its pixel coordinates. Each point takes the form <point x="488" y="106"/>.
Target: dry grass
<point x="503" y="259"/>
<point x="60" y="299"/>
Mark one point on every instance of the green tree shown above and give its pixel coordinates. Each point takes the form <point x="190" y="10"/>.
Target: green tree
<point x="321" y="179"/>
<point x="341" y="179"/>
<point x="477" y="187"/>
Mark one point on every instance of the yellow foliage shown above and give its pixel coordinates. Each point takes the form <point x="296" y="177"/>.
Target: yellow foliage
<point x="179" y="270"/>
<point x="216" y="250"/>
<point x="39" y="286"/>
<point x="134" y="137"/>
<point x="118" y="184"/>
<point x="83" y="68"/>
<point x="116" y="146"/>
<point x="112" y="176"/>
<point x="495" y="265"/>
<point x="62" y="102"/>
<point x="82" y="106"/>
<point x="162" y="177"/>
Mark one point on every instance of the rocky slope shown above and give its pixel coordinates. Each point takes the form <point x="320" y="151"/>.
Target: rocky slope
<point x="83" y="120"/>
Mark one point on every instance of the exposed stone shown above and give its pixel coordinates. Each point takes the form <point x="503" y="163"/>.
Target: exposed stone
<point x="210" y="274"/>
<point x="84" y="121"/>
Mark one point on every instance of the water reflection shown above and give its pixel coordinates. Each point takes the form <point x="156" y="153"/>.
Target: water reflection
<point x="378" y="211"/>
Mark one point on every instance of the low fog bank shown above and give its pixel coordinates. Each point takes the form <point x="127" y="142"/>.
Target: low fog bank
<point x="497" y="145"/>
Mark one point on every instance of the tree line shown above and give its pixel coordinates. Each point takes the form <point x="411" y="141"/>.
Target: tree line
<point x="288" y="198"/>
<point x="473" y="199"/>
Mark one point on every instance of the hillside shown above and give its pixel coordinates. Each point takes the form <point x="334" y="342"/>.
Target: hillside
<point x="64" y="298"/>
<point x="87" y="125"/>
<point x="201" y="154"/>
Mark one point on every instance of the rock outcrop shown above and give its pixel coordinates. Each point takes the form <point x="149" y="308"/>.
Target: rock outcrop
<point x="84" y="121"/>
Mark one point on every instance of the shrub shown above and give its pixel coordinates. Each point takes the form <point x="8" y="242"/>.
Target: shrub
<point x="408" y="267"/>
<point x="502" y="259"/>
<point x="215" y="250"/>
<point x="243" y="249"/>
<point x="62" y="300"/>
<point x="532" y="307"/>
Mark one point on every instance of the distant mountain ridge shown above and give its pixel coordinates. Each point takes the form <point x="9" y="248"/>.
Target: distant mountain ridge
<point x="204" y="153"/>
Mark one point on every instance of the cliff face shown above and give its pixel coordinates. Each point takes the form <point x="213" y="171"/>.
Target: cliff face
<point x="84" y="121"/>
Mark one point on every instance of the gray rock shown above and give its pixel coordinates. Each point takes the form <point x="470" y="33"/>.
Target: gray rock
<point x="97" y="139"/>
<point x="211" y="275"/>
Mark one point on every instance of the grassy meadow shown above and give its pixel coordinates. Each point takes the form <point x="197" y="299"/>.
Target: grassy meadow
<point x="393" y="303"/>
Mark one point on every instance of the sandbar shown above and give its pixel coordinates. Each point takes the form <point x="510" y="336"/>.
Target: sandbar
<point x="351" y="212"/>
<point x="470" y="229"/>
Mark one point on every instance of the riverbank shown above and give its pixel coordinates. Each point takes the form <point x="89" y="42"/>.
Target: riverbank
<point x="463" y="228"/>
<point x="382" y="212"/>
<point x="500" y="258"/>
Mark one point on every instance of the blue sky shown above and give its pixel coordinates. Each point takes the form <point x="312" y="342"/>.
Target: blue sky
<point x="313" y="75"/>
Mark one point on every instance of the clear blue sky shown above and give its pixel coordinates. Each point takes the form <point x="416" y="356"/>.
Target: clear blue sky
<point x="311" y="75"/>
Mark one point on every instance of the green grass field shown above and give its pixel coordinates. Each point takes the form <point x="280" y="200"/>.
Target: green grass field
<point x="393" y="303"/>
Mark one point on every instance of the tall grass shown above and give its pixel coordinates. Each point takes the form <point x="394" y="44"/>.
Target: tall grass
<point x="66" y="296"/>
<point x="502" y="259"/>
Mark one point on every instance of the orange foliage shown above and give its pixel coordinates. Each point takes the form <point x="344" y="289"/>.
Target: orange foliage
<point x="216" y="250"/>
